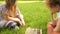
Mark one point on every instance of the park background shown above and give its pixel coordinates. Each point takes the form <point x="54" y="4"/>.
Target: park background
<point x="36" y="15"/>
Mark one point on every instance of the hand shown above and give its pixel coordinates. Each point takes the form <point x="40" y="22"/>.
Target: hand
<point x="23" y="23"/>
<point x="50" y="29"/>
<point x="18" y="21"/>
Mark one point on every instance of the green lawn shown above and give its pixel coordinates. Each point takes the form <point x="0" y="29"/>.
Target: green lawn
<point x="36" y="15"/>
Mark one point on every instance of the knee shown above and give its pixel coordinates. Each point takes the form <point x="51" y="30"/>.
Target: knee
<point x="10" y="23"/>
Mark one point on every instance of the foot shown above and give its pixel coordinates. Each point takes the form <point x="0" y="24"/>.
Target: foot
<point x="16" y="28"/>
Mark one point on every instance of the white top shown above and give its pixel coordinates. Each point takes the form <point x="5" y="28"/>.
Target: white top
<point x="58" y="15"/>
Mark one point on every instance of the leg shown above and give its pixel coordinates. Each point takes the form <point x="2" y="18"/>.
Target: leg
<point x="11" y="24"/>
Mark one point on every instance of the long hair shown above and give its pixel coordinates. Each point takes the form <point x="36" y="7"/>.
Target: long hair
<point x="11" y="6"/>
<point x="53" y="5"/>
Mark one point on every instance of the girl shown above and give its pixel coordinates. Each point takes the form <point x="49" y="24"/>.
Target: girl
<point x="54" y="6"/>
<point x="10" y="15"/>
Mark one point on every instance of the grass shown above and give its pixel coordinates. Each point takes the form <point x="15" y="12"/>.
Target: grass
<point x="36" y="15"/>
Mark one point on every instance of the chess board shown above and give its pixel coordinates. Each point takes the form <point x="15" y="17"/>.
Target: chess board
<point x="33" y="31"/>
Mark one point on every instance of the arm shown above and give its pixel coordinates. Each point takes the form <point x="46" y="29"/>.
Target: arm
<point x="20" y="16"/>
<point x="53" y="19"/>
<point x="15" y="19"/>
<point x="11" y="18"/>
<point x="53" y="11"/>
<point x="21" y="19"/>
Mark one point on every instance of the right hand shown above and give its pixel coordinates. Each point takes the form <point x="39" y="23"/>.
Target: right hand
<point x="18" y="21"/>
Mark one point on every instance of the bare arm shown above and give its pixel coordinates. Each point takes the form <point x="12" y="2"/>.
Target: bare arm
<point x="20" y="16"/>
<point x="53" y="19"/>
<point x="11" y="18"/>
<point x="53" y="11"/>
<point x="15" y="19"/>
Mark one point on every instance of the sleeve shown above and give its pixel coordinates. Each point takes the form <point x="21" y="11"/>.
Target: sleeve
<point x="0" y="9"/>
<point x="19" y="13"/>
<point x="3" y="8"/>
<point x="58" y="15"/>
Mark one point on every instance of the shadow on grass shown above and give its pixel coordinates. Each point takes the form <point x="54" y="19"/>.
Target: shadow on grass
<point x="7" y="30"/>
<point x="4" y="29"/>
<point x="12" y="31"/>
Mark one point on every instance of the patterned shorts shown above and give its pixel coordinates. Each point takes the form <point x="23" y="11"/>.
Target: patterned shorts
<point x="7" y="23"/>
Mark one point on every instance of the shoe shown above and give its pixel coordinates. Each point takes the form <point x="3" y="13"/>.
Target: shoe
<point x="16" y="28"/>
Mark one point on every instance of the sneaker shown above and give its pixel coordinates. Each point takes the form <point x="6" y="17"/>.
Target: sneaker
<point x="16" y="28"/>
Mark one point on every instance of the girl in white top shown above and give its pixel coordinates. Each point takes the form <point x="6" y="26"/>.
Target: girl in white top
<point x="54" y="6"/>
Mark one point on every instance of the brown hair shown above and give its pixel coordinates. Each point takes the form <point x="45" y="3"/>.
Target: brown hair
<point x="53" y="3"/>
<point x="54" y="6"/>
<point x="11" y="6"/>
